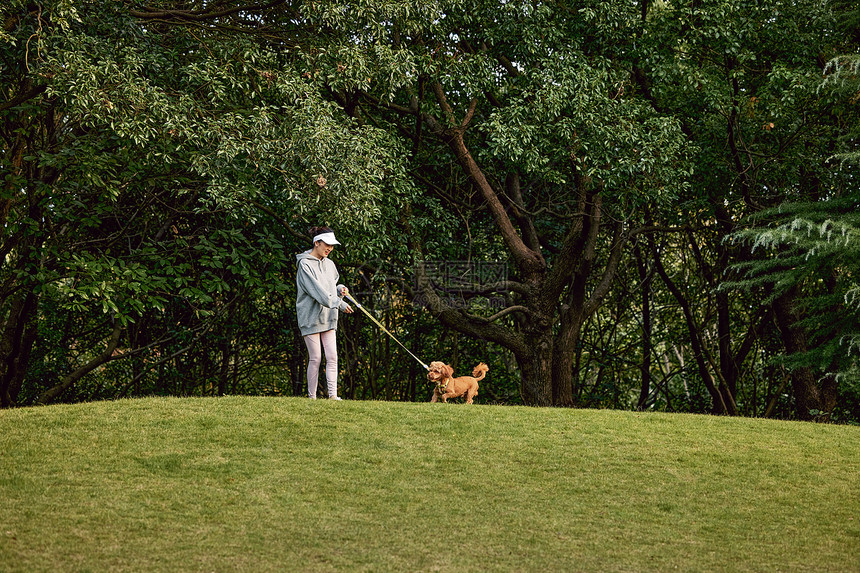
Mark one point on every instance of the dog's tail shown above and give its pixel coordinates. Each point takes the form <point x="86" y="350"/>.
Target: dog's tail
<point x="480" y="371"/>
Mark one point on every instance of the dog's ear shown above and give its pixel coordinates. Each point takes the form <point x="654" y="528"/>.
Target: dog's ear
<point x="449" y="372"/>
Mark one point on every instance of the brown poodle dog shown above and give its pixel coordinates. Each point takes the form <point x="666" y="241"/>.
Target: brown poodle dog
<point x="449" y="387"/>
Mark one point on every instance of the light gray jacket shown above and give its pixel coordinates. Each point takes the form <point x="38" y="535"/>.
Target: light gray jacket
<point x="317" y="298"/>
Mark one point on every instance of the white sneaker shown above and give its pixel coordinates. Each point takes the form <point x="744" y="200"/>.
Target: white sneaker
<point x="336" y="398"/>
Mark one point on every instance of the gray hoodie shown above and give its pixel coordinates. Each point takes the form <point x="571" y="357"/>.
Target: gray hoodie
<point x="317" y="299"/>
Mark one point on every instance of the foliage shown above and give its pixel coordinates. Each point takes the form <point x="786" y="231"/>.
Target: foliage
<point x="147" y="164"/>
<point x="765" y="129"/>
<point x="811" y="248"/>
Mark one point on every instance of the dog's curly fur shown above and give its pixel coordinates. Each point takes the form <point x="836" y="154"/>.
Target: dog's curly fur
<point x="449" y="387"/>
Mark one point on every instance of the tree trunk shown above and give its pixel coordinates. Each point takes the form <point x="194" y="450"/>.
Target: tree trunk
<point x="645" y="279"/>
<point x="572" y="312"/>
<point x="536" y="369"/>
<point x="563" y="357"/>
<point x="728" y="360"/>
<point x="721" y="402"/>
<point x="19" y="334"/>
<point x="812" y="402"/>
<point x="224" y="372"/>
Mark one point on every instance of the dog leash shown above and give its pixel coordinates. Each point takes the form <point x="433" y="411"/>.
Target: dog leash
<point x="385" y="330"/>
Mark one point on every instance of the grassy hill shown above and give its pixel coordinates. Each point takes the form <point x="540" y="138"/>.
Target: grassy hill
<point x="289" y="484"/>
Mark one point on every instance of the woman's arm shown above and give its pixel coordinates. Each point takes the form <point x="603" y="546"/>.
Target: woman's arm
<point x="311" y="284"/>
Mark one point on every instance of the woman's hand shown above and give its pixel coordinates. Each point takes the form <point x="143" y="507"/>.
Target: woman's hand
<point x="348" y="309"/>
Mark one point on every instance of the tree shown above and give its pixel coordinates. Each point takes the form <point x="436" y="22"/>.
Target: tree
<point x="751" y="103"/>
<point x="810" y="258"/>
<point x="136" y="157"/>
<point x="553" y="156"/>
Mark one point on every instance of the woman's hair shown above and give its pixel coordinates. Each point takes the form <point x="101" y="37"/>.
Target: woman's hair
<point x="314" y="231"/>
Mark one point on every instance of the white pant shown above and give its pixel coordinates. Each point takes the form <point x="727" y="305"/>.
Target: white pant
<point x="316" y="343"/>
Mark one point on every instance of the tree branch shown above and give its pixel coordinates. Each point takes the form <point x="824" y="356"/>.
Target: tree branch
<point x="21" y="98"/>
<point x="502" y="313"/>
<point x="528" y="260"/>
<point x="283" y="222"/>
<point x="50" y="394"/>
<point x="200" y="15"/>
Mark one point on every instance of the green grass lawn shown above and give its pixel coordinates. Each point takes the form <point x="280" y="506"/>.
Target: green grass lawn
<point x="290" y="484"/>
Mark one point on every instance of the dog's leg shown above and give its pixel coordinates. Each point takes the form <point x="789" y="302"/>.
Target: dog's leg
<point x="435" y="395"/>
<point x="471" y="394"/>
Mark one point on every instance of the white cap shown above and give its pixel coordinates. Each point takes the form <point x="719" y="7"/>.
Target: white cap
<point x="327" y="238"/>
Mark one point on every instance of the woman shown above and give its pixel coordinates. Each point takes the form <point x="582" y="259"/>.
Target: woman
<point x="318" y="301"/>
